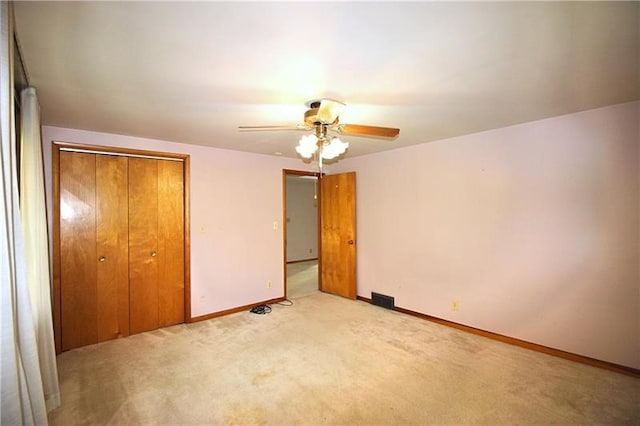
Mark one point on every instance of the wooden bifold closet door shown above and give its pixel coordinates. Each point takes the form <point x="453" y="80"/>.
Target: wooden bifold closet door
<point x="156" y="244"/>
<point x="121" y="254"/>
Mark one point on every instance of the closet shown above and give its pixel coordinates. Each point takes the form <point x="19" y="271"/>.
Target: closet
<point x="120" y="251"/>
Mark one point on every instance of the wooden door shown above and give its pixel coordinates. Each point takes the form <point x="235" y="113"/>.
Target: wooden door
<point x="143" y="244"/>
<point x="156" y="243"/>
<point x="121" y="252"/>
<point x="338" y="234"/>
<point x="171" y="240"/>
<point x="78" y="295"/>
<point x="94" y="300"/>
<point x="112" y="247"/>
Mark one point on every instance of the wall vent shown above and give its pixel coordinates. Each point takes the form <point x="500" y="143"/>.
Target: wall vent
<point x="382" y="300"/>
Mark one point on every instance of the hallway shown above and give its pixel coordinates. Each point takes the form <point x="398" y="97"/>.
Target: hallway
<point x="302" y="278"/>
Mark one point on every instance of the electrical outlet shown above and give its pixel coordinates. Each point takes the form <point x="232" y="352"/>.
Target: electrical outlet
<point x="269" y="284"/>
<point x="454" y="305"/>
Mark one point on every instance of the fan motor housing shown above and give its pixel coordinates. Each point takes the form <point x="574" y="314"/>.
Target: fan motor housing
<point x="311" y="116"/>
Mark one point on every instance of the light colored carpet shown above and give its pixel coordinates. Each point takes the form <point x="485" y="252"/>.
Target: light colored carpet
<point x="329" y="360"/>
<point x="302" y="278"/>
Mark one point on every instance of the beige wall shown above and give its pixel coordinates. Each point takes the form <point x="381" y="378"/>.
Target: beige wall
<point x="532" y="229"/>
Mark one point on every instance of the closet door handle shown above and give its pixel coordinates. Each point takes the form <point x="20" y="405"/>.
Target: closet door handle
<point x="154" y="254"/>
<point x="102" y="259"/>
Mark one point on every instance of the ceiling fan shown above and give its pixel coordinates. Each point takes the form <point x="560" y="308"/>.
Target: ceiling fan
<point x="323" y="116"/>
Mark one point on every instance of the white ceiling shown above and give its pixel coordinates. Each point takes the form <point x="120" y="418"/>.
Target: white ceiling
<point x="192" y="72"/>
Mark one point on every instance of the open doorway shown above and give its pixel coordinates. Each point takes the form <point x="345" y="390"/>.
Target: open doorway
<point x="300" y="233"/>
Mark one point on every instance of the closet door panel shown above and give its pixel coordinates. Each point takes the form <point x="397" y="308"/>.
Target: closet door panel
<point x="78" y="292"/>
<point x="143" y="244"/>
<point x="170" y="242"/>
<point x="112" y="247"/>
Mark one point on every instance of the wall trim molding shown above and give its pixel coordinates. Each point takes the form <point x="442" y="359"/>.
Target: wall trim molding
<point x="629" y="371"/>
<point x="234" y="310"/>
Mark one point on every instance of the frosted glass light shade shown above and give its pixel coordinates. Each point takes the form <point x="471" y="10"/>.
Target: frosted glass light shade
<point x="334" y="148"/>
<point x="307" y="146"/>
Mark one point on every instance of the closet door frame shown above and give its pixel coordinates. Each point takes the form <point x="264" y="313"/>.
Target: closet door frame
<point x="56" y="148"/>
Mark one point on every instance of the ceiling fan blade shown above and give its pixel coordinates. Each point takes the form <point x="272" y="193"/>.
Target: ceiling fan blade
<point x="359" y="129"/>
<point x="329" y="110"/>
<point x="276" y="127"/>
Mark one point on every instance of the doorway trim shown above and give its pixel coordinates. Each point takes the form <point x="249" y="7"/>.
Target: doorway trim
<point x="285" y="173"/>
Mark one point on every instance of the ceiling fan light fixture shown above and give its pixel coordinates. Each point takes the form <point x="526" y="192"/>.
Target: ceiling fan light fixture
<point x="307" y="146"/>
<point x="323" y="116"/>
<point x="334" y="148"/>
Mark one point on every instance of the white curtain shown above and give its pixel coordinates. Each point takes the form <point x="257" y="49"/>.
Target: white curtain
<point x="20" y="379"/>
<point x="34" y="220"/>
